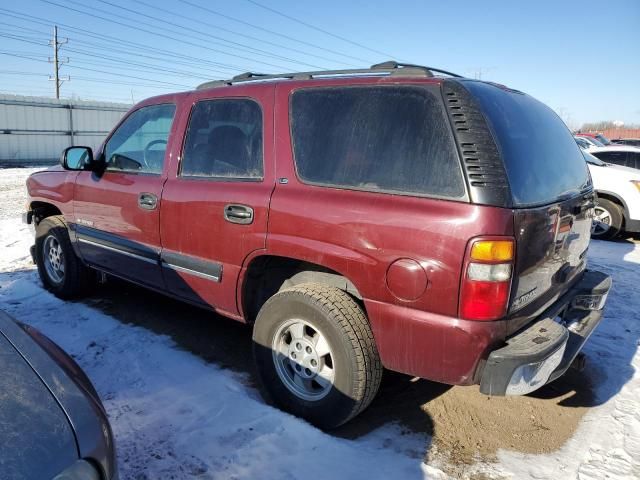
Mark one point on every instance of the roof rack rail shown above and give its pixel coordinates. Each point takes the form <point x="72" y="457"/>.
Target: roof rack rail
<point x="393" y="65"/>
<point x="390" y="68"/>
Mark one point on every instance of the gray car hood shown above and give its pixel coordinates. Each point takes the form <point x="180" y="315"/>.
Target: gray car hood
<point x="60" y="383"/>
<point x="35" y="434"/>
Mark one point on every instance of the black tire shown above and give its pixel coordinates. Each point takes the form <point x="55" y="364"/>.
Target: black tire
<point x="616" y="219"/>
<point x="77" y="278"/>
<point x="358" y="370"/>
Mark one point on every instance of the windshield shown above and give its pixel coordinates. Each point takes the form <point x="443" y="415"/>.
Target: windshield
<point x="604" y="140"/>
<point x="582" y="142"/>
<point x="593" y="160"/>
<point x="541" y="158"/>
<point x="592" y="141"/>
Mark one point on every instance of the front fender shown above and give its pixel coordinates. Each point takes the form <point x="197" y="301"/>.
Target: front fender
<point x="52" y="187"/>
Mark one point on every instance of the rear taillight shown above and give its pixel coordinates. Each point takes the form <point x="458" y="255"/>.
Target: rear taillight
<point x="486" y="280"/>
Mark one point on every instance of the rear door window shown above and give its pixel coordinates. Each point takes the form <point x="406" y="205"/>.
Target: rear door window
<point x="381" y="138"/>
<point x="541" y="158"/>
<point x="224" y="140"/>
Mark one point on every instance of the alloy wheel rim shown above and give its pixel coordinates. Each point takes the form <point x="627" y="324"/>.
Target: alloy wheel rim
<point x="53" y="259"/>
<point x="601" y="221"/>
<point x="303" y="360"/>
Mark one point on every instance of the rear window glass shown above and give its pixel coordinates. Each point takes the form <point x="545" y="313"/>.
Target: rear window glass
<point x="393" y="139"/>
<point x="542" y="160"/>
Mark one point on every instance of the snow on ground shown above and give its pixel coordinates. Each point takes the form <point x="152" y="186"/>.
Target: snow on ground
<point x="176" y="416"/>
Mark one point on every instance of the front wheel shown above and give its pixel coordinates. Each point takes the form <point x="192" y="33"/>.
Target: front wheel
<point x="315" y="354"/>
<point x="61" y="271"/>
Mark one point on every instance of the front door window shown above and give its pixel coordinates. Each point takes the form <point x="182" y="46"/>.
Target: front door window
<point x="140" y="142"/>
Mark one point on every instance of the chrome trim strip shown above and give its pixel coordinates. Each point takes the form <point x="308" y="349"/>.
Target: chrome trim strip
<point x="117" y="250"/>
<point x="191" y="272"/>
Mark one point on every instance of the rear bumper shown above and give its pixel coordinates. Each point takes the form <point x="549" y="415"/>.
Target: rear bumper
<point x="545" y="349"/>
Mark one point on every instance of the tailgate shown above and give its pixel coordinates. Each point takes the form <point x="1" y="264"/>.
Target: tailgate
<point x="551" y="248"/>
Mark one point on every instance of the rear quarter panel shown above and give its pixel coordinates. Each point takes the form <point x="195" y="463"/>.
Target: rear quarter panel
<point x="361" y="234"/>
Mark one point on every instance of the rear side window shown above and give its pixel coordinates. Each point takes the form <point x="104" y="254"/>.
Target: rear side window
<point x="390" y="139"/>
<point x="224" y="140"/>
<point x="541" y="158"/>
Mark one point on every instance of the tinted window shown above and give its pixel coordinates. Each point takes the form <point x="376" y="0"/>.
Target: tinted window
<point x="140" y="142"/>
<point x="617" y="158"/>
<point x="393" y="139"/>
<point x="634" y="160"/>
<point x="224" y="139"/>
<point x="542" y="160"/>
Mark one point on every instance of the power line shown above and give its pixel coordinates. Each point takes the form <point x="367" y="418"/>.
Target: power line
<point x="82" y="78"/>
<point x="237" y="20"/>
<point x="277" y="12"/>
<point x="244" y="35"/>
<point x="100" y="54"/>
<point x="146" y="67"/>
<point x="105" y="72"/>
<point x="243" y="46"/>
<point x="143" y="66"/>
<point x="161" y="35"/>
<point x="103" y="37"/>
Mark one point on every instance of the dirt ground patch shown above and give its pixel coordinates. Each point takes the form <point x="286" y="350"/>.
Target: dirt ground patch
<point x="470" y="425"/>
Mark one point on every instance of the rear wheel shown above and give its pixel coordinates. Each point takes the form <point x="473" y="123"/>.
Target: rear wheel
<point x="61" y="271"/>
<point x="607" y="221"/>
<point x="315" y="354"/>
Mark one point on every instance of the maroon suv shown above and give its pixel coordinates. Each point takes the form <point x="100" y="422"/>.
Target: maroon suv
<point x="379" y="218"/>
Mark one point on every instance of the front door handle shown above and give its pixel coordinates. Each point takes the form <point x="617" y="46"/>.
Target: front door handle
<point x="148" y="201"/>
<point x="235" y="213"/>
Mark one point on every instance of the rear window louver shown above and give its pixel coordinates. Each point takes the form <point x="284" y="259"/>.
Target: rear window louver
<point x="481" y="159"/>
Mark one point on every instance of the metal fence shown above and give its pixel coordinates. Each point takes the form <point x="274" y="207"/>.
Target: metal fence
<point x="35" y="130"/>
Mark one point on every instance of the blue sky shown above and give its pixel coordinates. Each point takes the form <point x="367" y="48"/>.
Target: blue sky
<point x="582" y="58"/>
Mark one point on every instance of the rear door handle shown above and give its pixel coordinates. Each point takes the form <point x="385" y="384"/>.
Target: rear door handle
<point x="241" y="214"/>
<point x="147" y="201"/>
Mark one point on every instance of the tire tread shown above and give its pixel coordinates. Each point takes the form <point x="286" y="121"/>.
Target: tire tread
<point x="352" y="320"/>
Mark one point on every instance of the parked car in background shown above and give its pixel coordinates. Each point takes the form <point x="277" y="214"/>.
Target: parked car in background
<point x="597" y="136"/>
<point x="618" y="204"/>
<point x="52" y="423"/>
<point x="620" y="155"/>
<point x="631" y="142"/>
<point x="587" y="143"/>
<point x="394" y="217"/>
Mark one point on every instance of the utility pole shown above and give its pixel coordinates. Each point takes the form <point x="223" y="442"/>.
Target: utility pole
<point x="57" y="62"/>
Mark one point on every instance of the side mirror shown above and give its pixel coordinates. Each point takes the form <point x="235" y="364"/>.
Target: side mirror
<point x="77" y="158"/>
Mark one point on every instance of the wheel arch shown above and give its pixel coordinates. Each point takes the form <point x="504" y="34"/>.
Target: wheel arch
<point x="266" y="275"/>
<point x="615" y="198"/>
<point x="41" y="210"/>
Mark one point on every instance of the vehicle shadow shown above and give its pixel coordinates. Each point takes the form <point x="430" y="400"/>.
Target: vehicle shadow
<point x="228" y="344"/>
<point x="211" y="336"/>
